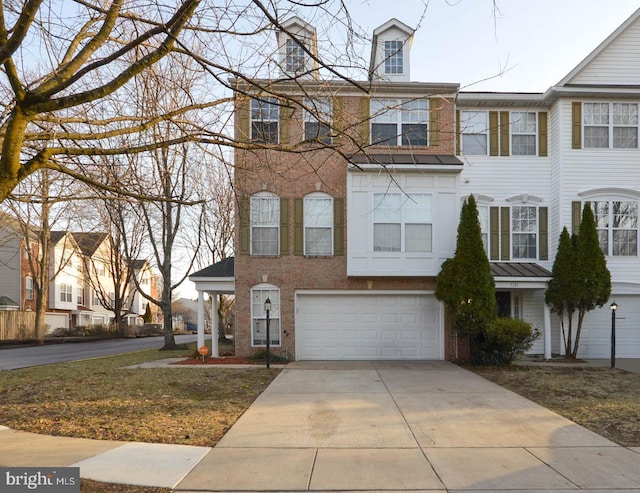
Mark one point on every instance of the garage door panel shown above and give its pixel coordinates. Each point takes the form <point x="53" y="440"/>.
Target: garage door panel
<point x="368" y="327"/>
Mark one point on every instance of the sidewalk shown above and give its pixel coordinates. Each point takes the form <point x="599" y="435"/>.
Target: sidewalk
<point x="363" y="426"/>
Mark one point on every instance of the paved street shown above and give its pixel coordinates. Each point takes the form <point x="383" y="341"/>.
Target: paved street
<point x="23" y="357"/>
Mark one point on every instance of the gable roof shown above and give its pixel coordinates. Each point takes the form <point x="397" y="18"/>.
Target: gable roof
<point x="224" y="268"/>
<point x="600" y="50"/>
<point x="89" y="242"/>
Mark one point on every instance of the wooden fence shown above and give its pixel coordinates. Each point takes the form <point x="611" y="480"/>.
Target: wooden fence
<point x="16" y="325"/>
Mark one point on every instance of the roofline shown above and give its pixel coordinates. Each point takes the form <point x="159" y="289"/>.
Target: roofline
<point x="599" y="49"/>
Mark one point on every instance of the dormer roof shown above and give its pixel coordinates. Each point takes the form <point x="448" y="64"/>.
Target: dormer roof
<point x="392" y="30"/>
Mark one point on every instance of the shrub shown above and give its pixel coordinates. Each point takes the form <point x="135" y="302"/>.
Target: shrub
<point x="503" y="340"/>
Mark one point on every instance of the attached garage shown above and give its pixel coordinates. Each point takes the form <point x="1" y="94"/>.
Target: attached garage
<point x="595" y="340"/>
<point x="368" y="326"/>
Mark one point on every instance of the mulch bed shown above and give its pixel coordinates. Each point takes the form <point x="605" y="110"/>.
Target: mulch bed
<point x="225" y="360"/>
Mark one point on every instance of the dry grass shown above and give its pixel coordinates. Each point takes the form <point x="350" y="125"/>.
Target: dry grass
<point x="603" y="400"/>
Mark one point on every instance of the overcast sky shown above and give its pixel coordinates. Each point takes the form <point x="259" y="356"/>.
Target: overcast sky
<point x="539" y="41"/>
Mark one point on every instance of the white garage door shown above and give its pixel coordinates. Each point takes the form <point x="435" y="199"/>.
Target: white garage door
<point x="595" y="340"/>
<point x="368" y="327"/>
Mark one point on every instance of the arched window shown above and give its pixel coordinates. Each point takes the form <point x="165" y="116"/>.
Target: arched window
<point x="259" y="294"/>
<point x="265" y="224"/>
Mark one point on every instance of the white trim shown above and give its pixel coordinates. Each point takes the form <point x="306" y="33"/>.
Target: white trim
<point x="419" y="168"/>
<point x="525" y="198"/>
<point x="610" y="192"/>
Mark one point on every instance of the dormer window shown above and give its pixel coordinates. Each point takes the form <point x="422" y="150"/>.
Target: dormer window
<point x="393" y="57"/>
<point x="294" y="56"/>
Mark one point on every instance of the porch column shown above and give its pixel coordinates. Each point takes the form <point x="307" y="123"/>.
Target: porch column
<point x="214" y="325"/>
<point x="200" y="319"/>
<point x="547" y="332"/>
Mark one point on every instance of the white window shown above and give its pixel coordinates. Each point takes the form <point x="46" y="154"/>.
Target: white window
<point x="294" y="56"/>
<point x="524" y="232"/>
<point x="80" y="295"/>
<point x="523" y="133"/>
<point x="318" y="224"/>
<point x="98" y="266"/>
<point x="28" y="285"/>
<point x="483" y="219"/>
<point x="96" y="298"/>
<point x="259" y="295"/>
<point x="265" y="113"/>
<point x="617" y="226"/>
<point x="112" y="298"/>
<point x="393" y="57"/>
<point x="610" y="125"/>
<point x="400" y="122"/>
<point x="474" y="132"/>
<point x="265" y="224"/>
<point x="66" y="293"/>
<point x="317" y="120"/>
<point x="402" y="222"/>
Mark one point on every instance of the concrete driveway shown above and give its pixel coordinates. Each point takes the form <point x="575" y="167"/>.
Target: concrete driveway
<point x="406" y="426"/>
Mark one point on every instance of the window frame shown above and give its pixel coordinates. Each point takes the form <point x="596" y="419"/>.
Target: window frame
<point x="261" y="107"/>
<point x="589" y="121"/>
<point x="294" y="56"/>
<point x="66" y="292"/>
<point x="324" y="107"/>
<point x="397" y="112"/>
<point x="259" y="294"/>
<point x="324" y="197"/>
<point x="259" y="223"/>
<point x="514" y="134"/>
<point x="610" y="229"/>
<point x="393" y="57"/>
<point x="28" y="288"/>
<point x="401" y="210"/>
<point x="531" y="232"/>
<point x="466" y="124"/>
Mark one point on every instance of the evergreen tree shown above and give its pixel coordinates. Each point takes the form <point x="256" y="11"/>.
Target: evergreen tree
<point x="147" y="317"/>
<point x="465" y="283"/>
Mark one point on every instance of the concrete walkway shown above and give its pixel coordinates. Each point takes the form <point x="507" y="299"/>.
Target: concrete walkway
<point x="370" y="426"/>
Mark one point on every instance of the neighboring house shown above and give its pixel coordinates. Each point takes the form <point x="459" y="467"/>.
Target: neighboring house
<point x="148" y="283"/>
<point x="347" y="245"/>
<point x="66" y="267"/>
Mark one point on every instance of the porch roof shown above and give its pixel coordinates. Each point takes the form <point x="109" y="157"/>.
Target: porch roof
<point x="520" y="275"/>
<point x="407" y="159"/>
<point x="218" y="277"/>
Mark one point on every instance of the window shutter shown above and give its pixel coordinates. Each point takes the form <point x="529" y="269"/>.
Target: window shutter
<point x="542" y="134"/>
<point x="504" y="133"/>
<point x="338" y="115"/>
<point x="434" y="121"/>
<point x="284" y="226"/>
<point x="458" y="146"/>
<point x="505" y="233"/>
<point x="576" y="125"/>
<point x="543" y="233"/>
<point x="494" y="233"/>
<point x="493" y="133"/>
<point x="285" y="123"/>
<point x="576" y="216"/>
<point x="298" y="227"/>
<point x="338" y="227"/>
<point x="243" y="211"/>
<point x="365" y="130"/>
<point x="243" y="109"/>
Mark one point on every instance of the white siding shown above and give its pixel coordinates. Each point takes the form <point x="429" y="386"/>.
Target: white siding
<point x="362" y="260"/>
<point x="617" y="64"/>
<point x="10" y="275"/>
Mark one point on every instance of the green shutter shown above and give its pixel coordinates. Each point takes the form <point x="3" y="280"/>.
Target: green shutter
<point x="298" y="227"/>
<point x="285" y="123"/>
<point x="243" y="110"/>
<point x="504" y="133"/>
<point x="284" y="226"/>
<point x="365" y="109"/>
<point x="576" y="125"/>
<point x="243" y="211"/>
<point x="505" y="233"/>
<point x="493" y="133"/>
<point x="494" y="233"/>
<point x="434" y="121"/>
<point x="338" y="122"/>
<point x="576" y="216"/>
<point x="543" y="233"/>
<point x="458" y="146"/>
<point x="338" y="227"/>
<point x="542" y="134"/>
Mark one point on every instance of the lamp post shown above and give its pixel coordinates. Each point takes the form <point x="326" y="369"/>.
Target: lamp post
<point x="267" y="309"/>
<point x="614" y="307"/>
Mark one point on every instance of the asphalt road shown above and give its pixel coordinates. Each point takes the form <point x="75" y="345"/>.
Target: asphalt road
<point x="23" y="357"/>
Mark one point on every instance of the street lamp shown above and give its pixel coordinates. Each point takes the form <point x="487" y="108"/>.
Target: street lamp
<point x="267" y="309"/>
<point x="614" y="307"/>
